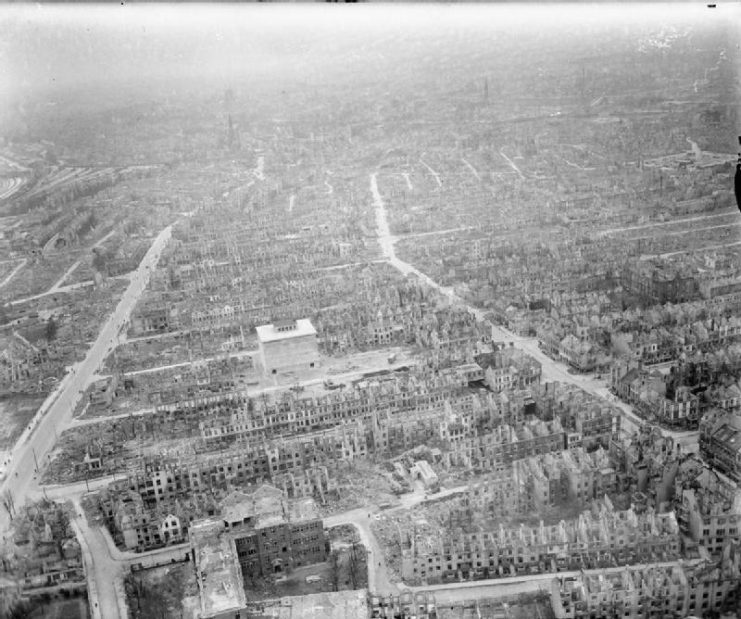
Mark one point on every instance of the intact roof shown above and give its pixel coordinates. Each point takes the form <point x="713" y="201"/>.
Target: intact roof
<point x="269" y="333"/>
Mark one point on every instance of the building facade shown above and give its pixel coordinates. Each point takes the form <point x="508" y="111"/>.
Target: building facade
<point x="288" y="345"/>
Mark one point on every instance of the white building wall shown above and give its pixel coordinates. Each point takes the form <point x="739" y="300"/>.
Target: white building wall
<point x="295" y="352"/>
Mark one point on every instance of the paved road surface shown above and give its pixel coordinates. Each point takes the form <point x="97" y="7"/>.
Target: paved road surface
<point x="435" y="174"/>
<point x="13" y="273"/>
<point x="55" y="413"/>
<point x="106" y="572"/>
<point x="473" y="170"/>
<point x="511" y="163"/>
<point x="551" y="369"/>
<point x="655" y="224"/>
<point x="451" y="593"/>
<point x="378" y="580"/>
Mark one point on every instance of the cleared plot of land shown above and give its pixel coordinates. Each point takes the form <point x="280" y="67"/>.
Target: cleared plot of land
<point x="156" y="593"/>
<point x="15" y="413"/>
<point x="338" y="573"/>
<point x="171" y="349"/>
<point x="40" y="277"/>
<point x="62" y="609"/>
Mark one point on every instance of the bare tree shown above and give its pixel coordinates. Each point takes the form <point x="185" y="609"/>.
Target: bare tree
<point x="334" y="566"/>
<point x="9" y="503"/>
<point x="354" y="564"/>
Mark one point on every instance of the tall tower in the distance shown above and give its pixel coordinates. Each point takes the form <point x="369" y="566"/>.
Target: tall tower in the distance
<point x="232" y="129"/>
<point x="486" y="90"/>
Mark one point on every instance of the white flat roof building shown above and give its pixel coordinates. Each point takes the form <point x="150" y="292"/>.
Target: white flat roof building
<point x="288" y="345"/>
<point x="273" y="333"/>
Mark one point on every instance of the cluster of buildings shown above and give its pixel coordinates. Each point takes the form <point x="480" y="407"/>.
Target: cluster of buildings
<point x="24" y="365"/>
<point x="681" y="508"/>
<point x="720" y="442"/>
<point x="296" y="442"/>
<point x="708" y="507"/>
<point x="137" y="525"/>
<point x="182" y="382"/>
<point x="589" y="341"/>
<point x="674" y="589"/>
<point x="598" y="537"/>
<point x="647" y="392"/>
<point x="260" y="534"/>
<point x="693" y="389"/>
<point x="41" y="555"/>
<point x="233" y="264"/>
<point x="656" y="283"/>
<point x="529" y="485"/>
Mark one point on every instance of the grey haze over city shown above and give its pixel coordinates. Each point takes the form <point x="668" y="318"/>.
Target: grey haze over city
<point x="382" y="310"/>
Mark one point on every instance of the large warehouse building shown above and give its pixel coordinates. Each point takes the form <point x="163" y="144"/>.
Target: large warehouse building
<point x="285" y="346"/>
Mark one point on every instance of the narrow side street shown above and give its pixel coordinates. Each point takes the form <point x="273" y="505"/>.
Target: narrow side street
<point x="435" y="174"/>
<point x="102" y="579"/>
<point x="13" y="273"/>
<point x="470" y="167"/>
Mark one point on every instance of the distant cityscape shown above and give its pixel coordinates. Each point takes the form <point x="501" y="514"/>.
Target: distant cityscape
<point x="380" y="321"/>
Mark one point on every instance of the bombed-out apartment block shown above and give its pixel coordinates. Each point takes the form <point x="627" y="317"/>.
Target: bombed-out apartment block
<point x="660" y="283"/>
<point x="508" y="443"/>
<point x="258" y="534"/>
<point x="23" y="364"/>
<point x="646" y="460"/>
<point x="292" y="414"/>
<point x="509" y="368"/>
<point x="599" y="537"/>
<point x="154" y="317"/>
<point x="190" y="382"/>
<point x="683" y="589"/>
<point x="221" y="588"/>
<point x="386" y="414"/>
<point x="720" y="442"/>
<point x="136" y="524"/>
<point x="41" y="554"/>
<point x="274" y="535"/>
<point x="708" y="506"/>
<point x="648" y="392"/>
<point x="534" y="483"/>
<point x="421" y="605"/>
<point x="469" y="426"/>
<point x="239" y="467"/>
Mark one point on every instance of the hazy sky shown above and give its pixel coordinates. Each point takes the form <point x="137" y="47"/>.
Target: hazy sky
<point x="57" y="46"/>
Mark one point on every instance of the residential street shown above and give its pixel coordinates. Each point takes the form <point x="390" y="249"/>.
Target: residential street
<point x="110" y="564"/>
<point x="552" y="369"/>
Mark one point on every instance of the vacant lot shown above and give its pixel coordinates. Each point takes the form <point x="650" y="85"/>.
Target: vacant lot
<point x="16" y="411"/>
<point x="159" y="592"/>
<point x="75" y="608"/>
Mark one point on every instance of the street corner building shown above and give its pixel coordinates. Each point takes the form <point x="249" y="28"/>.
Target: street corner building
<point x="259" y="534"/>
